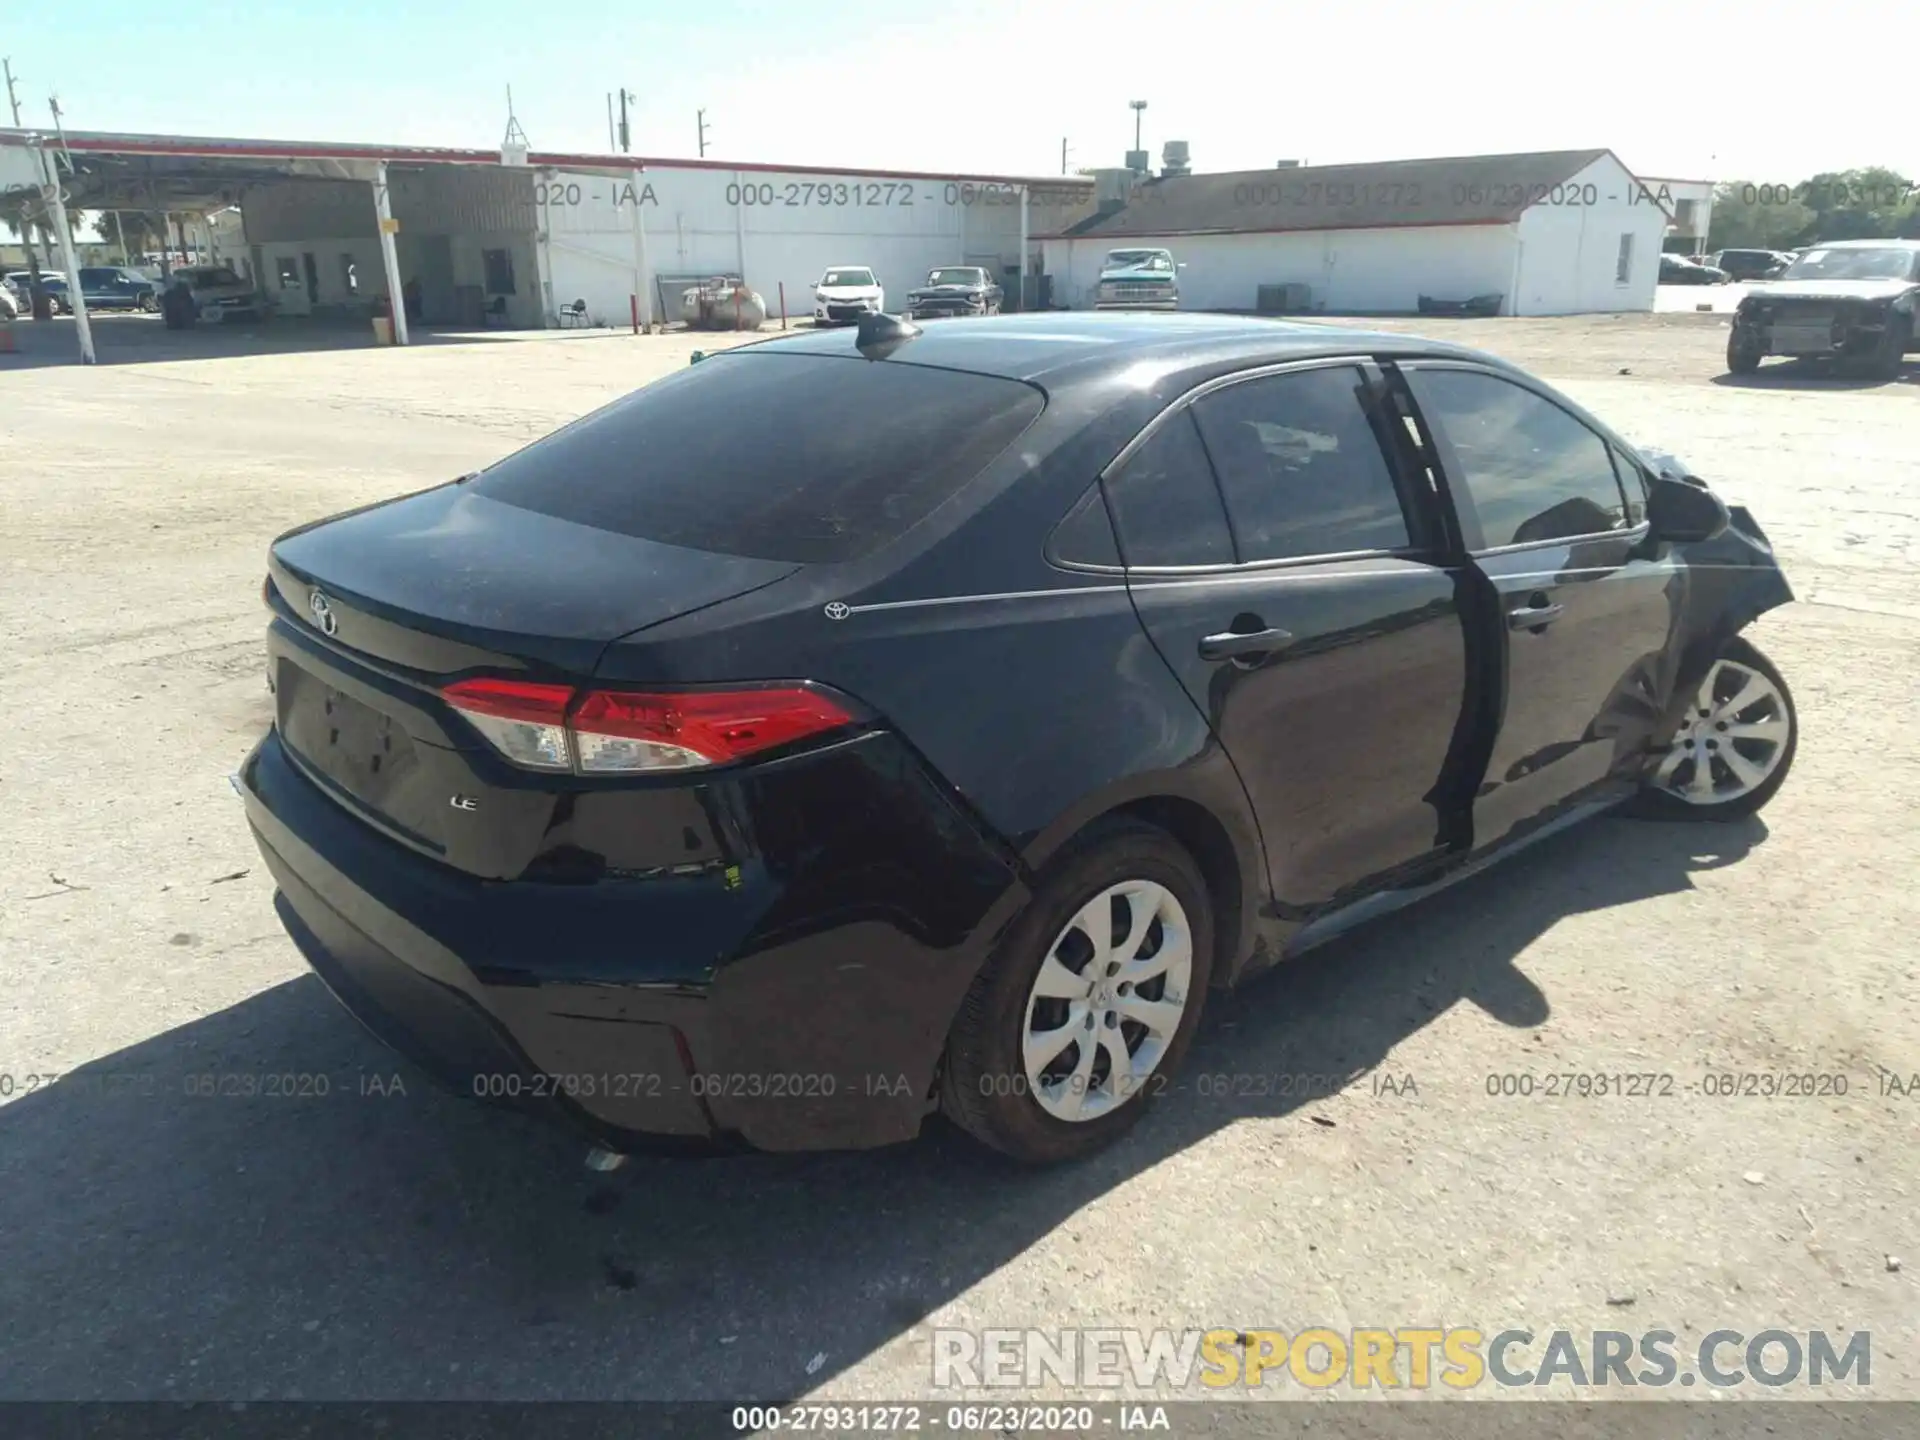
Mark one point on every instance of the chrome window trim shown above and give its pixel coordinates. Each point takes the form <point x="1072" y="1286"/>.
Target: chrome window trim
<point x="1633" y="534"/>
<point x="1289" y="562"/>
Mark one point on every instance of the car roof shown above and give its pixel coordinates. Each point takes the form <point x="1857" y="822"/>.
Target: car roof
<point x="1055" y="345"/>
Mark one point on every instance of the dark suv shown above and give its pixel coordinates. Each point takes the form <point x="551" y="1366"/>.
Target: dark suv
<point x="1852" y="300"/>
<point x="1749" y="264"/>
<point x="112" y="287"/>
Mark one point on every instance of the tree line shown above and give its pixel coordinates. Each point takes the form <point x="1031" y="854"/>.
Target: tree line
<point x="1874" y="203"/>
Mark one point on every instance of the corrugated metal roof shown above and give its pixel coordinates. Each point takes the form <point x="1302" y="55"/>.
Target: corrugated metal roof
<point x="101" y="142"/>
<point x="1388" y="194"/>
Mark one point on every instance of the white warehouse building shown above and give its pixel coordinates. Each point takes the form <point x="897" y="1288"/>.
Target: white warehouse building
<point x="1553" y="233"/>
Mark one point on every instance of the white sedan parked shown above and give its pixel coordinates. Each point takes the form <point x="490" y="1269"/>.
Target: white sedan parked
<point x="845" y="293"/>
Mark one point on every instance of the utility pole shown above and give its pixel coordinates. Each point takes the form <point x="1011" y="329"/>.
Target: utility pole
<point x="626" y="136"/>
<point x="1063" y="154"/>
<point x="36" y="292"/>
<point x="612" y="142"/>
<point x="63" y="230"/>
<point x="703" y="134"/>
<point x="1138" y="107"/>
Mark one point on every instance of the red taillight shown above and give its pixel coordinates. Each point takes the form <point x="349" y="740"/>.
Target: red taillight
<point x="525" y="722"/>
<point x="616" y="730"/>
<point x="553" y="727"/>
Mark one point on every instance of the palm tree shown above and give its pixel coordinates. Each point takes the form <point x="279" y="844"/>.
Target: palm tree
<point x="23" y="230"/>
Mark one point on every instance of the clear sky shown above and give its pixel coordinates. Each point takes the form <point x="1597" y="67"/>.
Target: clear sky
<point x="1702" y="90"/>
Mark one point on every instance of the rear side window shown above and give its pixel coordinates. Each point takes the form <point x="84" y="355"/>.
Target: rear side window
<point x="807" y="458"/>
<point x="1532" y="471"/>
<point x="1300" y="468"/>
<point x="1166" y="504"/>
<point x="1085" y="536"/>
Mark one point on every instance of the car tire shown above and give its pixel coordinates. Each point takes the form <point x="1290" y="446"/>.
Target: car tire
<point x="1158" y="899"/>
<point x="1892" y="351"/>
<point x="148" y="304"/>
<point x="1772" y="726"/>
<point x="1743" y="357"/>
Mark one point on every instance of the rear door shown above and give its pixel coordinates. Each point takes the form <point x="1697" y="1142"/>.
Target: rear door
<point x="1287" y="565"/>
<point x="1584" y="611"/>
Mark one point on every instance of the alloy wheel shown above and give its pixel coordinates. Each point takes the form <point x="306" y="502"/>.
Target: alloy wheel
<point x="1107" y="1001"/>
<point x="1734" y="737"/>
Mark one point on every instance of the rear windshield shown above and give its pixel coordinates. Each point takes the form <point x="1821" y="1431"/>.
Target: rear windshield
<point x="807" y="458"/>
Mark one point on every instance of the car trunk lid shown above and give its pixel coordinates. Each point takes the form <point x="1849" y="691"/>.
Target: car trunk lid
<point x="380" y="608"/>
<point x="448" y="580"/>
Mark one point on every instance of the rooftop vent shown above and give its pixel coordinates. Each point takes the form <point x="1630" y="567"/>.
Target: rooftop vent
<point x="1174" y="159"/>
<point x="1111" y="189"/>
<point x="1137" y="162"/>
<point x="1286" y="164"/>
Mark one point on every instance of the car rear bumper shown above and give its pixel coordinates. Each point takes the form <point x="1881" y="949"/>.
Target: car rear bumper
<point x="1136" y="304"/>
<point x="774" y="1004"/>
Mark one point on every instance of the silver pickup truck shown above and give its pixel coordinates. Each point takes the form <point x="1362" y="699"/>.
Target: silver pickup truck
<point x="1142" y="279"/>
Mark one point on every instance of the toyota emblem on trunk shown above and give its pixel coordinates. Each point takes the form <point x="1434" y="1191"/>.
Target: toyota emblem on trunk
<point x="839" y="610"/>
<point x="323" y="615"/>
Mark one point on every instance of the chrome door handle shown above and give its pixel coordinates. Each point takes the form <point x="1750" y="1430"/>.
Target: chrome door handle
<point x="1230" y="644"/>
<point x="1533" y="617"/>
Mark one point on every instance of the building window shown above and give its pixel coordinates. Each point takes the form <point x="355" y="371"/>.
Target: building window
<point x="499" y="267"/>
<point x="1623" y="267"/>
<point x="289" y="272"/>
<point x="349" y="275"/>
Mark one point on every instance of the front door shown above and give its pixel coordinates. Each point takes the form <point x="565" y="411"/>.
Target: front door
<point x="1584" y="613"/>
<point x="312" y="270"/>
<point x="1285" y="569"/>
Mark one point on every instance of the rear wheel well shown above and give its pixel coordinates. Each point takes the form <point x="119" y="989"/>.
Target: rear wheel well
<point x="1206" y="839"/>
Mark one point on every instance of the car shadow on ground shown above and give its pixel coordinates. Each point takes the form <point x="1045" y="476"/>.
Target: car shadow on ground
<point x="1815" y="375"/>
<point x="156" y="1241"/>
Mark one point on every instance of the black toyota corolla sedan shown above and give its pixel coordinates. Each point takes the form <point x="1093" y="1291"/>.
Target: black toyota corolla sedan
<point x="862" y="724"/>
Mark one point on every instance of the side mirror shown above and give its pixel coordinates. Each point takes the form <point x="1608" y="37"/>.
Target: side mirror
<point x="1680" y="513"/>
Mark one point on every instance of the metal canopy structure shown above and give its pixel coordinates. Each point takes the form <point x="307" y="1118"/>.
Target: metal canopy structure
<point x="198" y="175"/>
